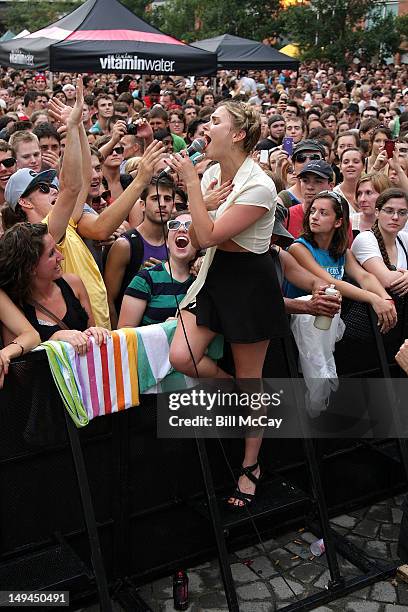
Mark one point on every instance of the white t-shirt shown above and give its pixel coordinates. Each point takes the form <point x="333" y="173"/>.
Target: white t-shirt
<point x="260" y="191"/>
<point x="352" y="212"/>
<point x="365" y="247"/>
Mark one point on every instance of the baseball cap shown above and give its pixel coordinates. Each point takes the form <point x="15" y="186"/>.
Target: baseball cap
<point x="308" y="145"/>
<point x="22" y="180"/>
<point x="40" y="77"/>
<point x="279" y="229"/>
<point x="68" y="87"/>
<point x="318" y="167"/>
<point x="353" y="108"/>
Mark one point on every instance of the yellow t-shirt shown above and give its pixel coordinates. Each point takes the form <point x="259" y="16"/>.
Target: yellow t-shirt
<point x="78" y="260"/>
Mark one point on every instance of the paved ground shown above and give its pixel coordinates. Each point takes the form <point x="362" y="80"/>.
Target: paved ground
<point x="261" y="588"/>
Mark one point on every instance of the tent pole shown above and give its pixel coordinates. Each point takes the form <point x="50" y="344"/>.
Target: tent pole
<point x="143" y="86"/>
<point x="214" y="85"/>
<point x="51" y="79"/>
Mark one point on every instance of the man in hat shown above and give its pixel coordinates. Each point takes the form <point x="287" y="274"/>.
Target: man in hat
<point x="304" y="152"/>
<point x="315" y="176"/>
<point x="40" y="82"/>
<point x="276" y="125"/>
<point x="69" y="91"/>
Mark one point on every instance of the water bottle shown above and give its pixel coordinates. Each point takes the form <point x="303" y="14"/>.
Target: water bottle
<point x="317" y="548"/>
<point x="321" y="321"/>
<point x="180" y="590"/>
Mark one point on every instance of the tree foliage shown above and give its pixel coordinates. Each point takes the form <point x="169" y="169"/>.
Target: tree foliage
<point x="196" y="19"/>
<point x="138" y="7"/>
<point x="337" y="30"/>
<point x="36" y="14"/>
<point x="340" y="30"/>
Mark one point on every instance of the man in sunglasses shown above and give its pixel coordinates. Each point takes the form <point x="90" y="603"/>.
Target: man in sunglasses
<point x="304" y="152"/>
<point x="7" y="167"/>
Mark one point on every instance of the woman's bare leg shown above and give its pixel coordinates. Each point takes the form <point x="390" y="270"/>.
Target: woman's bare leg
<point x="249" y="360"/>
<point x="199" y="337"/>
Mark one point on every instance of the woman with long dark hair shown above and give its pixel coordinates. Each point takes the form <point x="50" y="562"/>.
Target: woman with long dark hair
<point x="56" y="304"/>
<point x="383" y="251"/>
<point x="322" y="249"/>
<point x="236" y="293"/>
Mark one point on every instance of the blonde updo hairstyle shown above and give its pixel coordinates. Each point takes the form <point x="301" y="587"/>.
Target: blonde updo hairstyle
<point x="244" y="117"/>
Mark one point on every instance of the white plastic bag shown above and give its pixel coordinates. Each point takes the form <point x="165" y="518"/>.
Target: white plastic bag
<point x="316" y="359"/>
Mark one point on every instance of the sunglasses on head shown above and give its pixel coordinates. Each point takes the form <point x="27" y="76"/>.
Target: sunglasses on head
<point x="175" y="224"/>
<point x="302" y="157"/>
<point x="105" y="195"/>
<point x="118" y="150"/>
<point x="8" y="162"/>
<point x="330" y="194"/>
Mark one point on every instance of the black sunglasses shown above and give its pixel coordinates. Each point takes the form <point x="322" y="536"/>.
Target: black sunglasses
<point x="8" y="162"/>
<point x="43" y="187"/>
<point x="118" y="150"/>
<point x="105" y="195"/>
<point x="302" y="157"/>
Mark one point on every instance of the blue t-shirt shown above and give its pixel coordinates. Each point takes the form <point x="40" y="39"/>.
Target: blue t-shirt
<point x="335" y="267"/>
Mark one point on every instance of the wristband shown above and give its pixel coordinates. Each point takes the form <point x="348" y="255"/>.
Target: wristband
<point x="389" y="299"/>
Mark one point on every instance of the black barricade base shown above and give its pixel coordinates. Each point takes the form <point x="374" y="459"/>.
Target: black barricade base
<point x="147" y="492"/>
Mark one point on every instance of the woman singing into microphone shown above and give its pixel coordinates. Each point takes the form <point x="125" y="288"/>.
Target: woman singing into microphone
<point x="236" y="293"/>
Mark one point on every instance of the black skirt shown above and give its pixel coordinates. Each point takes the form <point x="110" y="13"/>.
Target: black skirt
<point x="241" y="298"/>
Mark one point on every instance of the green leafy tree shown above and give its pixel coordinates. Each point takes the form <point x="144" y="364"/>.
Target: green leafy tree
<point x="138" y="7"/>
<point x="196" y="19"/>
<point x="36" y="14"/>
<point x="339" y="30"/>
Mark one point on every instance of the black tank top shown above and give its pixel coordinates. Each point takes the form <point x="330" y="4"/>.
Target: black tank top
<point x="135" y="261"/>
<point x="76" y="316"/>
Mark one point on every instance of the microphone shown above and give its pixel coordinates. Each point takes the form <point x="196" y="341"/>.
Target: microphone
<point x="195" y="153"/>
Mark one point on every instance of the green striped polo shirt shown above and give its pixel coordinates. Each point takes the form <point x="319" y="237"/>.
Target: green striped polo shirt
<point x="155" y="286"/>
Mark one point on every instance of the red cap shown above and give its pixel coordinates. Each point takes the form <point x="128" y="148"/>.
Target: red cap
<point x="40" y="77"/>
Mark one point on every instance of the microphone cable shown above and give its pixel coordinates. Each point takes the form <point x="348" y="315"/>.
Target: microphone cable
<point x="245" y="507"/>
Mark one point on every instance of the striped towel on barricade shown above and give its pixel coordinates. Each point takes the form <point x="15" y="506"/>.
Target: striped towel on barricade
<point x="102" y="381"/>
<point x="110" y="377"/>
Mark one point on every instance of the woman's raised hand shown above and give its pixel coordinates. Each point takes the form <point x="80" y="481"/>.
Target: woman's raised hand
<point x="183" y="166"/>
<point x="150" y="158"/>
<point x="381" y="161"/>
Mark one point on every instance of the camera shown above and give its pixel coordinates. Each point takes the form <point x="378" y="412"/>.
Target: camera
<point x="132" y="129"/>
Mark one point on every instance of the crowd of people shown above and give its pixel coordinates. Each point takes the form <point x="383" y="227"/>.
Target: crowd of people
<point x="107" y="223"/>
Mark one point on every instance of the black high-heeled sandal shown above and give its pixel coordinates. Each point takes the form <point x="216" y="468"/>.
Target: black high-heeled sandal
<point x="246" y="498"/>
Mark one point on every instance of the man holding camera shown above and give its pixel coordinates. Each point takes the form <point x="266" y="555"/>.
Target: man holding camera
<point x="133" y="137"/>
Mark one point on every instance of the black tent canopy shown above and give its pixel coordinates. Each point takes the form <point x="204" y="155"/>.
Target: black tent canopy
<point x="104" y="36"/>
<point x="234" y="52"/>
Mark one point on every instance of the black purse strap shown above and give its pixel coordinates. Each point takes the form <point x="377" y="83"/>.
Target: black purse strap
<point x="50" y="314"/>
